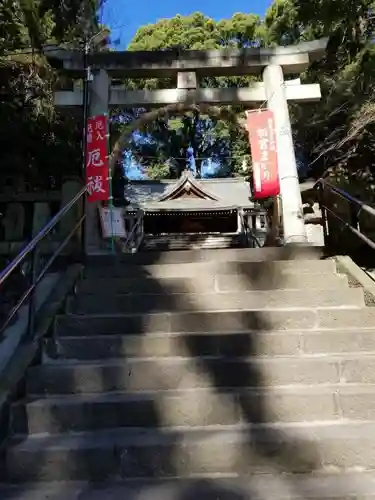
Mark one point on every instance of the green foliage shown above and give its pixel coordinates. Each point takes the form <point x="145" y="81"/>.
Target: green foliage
<point x="193" y="32"/>
<point x="159" y="171"/>
<point x="210" y="137"/>
<point x="71" y="17"/>
<point x="169" y="139"/>
<point x="338" y="132"/>
<point x="36" y="142"/>
<point x="335" y="134"/>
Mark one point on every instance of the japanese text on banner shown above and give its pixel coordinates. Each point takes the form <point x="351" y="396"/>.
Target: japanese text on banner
<point x="97" y="159"/>
<point x="261" y="129"/>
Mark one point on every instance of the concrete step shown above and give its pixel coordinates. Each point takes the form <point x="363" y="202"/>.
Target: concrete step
<point x="197" y="407"/>
<point x="192" y="236"/>
<point x="272" y="486"/>
<point x="217" y="301"/>
<point x="183" y="452"/>
<point x="151" y="374"/>
<point x="251" y="270"/>
<point x="217" y="322"/>
<point x="191" y="241"/>
<point x="162" y="246"/>
<point x="266" y="254"/>
<point x="289" y="280"/>
<point x="287" y="343"/>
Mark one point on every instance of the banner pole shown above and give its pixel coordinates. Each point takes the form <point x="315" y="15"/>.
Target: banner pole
<point x="111" y="210"/>
<point x="110" y="200"/>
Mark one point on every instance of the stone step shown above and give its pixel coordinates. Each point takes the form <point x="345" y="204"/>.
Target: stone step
<point x="219" y="283"/>
<point x="272" y="486"/>
<point x="251" y="270"/>
<point x="150" y="374"/>
<point x="192" y="236"/>
<point x="162" y="246"/>
<point x="287" y="343"/>
<point x="189" y="245"/>
<point x="217" y="322"/>
<point x="183" y="452"/>
<point x="192" y="241"/>
<point x="265" y="254"/>
<point x="195" y="408"/>
<point x="217" y="301"/>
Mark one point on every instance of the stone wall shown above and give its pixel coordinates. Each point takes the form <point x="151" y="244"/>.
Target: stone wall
<point x="25" y="213"/>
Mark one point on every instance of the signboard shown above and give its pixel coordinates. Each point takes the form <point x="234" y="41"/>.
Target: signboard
<point x="116" y="227"/>
<point x="97" y="159"/>
<point x="262" y="137"/>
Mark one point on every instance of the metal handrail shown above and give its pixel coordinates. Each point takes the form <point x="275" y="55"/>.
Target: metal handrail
<point x="346" y="196"/>
<point x="249" y="233"/>
<point x="136" y="225"/>
<point x="30" y="250"/>
<point x="321" y="184"/>
<point x="42" y="233"/>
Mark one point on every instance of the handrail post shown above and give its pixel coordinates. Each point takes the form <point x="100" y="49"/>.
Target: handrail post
<point x="354" y="218"/>
<point x="324" y="213"/>
<point x="32" y="305"/>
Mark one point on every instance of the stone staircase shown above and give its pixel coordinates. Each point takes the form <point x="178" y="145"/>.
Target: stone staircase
<point x="227" y="374"/>
<point x="192" y="241"/>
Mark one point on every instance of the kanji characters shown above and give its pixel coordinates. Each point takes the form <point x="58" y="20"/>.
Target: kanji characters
<point x="89" y="133"/>
<point x="100" y="130"/>
<point x="95" y="184"/>
<point x="97" y="161"/>
<point x="94" y="159"/>
<point x="264" y="153"/>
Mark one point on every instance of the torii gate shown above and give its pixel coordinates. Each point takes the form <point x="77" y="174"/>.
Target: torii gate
<point x="188" y="67"/>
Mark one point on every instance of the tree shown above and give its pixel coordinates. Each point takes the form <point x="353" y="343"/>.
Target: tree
<point x="209" y="137"/>
<point x="36" y="141"/>
<point x="337" y="134"/>
<point x="124" y="139"/>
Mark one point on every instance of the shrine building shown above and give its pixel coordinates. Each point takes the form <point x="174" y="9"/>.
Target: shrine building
<point x="191" y="206"/>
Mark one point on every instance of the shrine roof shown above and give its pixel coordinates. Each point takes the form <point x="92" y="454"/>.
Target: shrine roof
<point x="189" y="194"/>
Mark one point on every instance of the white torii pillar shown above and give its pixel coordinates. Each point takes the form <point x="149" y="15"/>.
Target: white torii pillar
<point x="291" y="200"/>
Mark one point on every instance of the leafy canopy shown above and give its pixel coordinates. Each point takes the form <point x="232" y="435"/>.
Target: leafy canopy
<point x="336" y="135"/>
<point x="36" y="141"/>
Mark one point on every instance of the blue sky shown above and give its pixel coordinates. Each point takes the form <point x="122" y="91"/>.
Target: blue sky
<point x="126" y="17"/>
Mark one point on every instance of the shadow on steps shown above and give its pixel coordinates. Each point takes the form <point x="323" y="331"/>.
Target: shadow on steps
<point x="260" y="449"/>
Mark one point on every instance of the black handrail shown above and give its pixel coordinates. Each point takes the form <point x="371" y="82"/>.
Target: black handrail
<point x="321" y="185"/>
<point x="250" y="233"/>
<point x="346" y="196"/>
<point x="30" y="250"/>
<point x="134" y="231"/>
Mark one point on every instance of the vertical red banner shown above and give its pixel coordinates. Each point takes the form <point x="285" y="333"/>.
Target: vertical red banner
<point x="97" y="159"/>
<point x="262" y="137"/>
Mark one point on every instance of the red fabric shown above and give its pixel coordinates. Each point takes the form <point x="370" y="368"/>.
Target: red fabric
<point x="97" y="159"/>
<point x="262" y="138"/>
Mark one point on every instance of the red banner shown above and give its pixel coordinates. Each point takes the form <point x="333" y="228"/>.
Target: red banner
<point x="97" y="159"/>
<point x="262" y="137"/>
